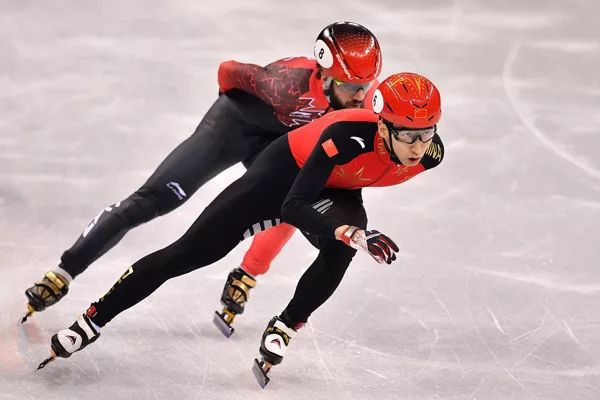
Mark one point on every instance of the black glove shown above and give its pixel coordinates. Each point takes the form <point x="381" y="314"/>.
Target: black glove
<point x="379" y="246"/>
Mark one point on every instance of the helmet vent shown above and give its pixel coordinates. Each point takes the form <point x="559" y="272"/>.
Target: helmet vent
<point x="349" y="52"/>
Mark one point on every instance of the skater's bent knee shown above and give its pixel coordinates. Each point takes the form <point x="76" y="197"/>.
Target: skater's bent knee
<point x="143" y="206"/>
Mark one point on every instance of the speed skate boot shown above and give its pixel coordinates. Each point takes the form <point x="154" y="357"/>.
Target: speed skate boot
<point x="274" y="343"/>
<point x="234" y="298"/>
<point x="45" y="293"/>
<point x="75" y="338"/>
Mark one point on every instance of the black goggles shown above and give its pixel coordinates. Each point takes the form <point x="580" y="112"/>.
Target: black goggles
<point x="411" y="135"/>
<point x="352" y="87"/>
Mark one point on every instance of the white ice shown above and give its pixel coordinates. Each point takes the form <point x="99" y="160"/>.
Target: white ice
<point x="497" y="291"/>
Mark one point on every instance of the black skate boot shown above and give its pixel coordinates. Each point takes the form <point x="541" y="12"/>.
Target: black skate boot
<point x="45" y="293"/>
<point x="234" y="298"/>
<point x="273" y="345"/>
<point x="75" y="338"/>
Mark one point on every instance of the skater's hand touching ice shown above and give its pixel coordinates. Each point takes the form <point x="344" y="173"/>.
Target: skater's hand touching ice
<point x="379" y="246"/>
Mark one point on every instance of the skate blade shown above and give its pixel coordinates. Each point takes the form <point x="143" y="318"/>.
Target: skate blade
<point x="30" y="312"/>
<point x="47" y="361"/>
<point x="260" y="374"/>
<point x="226" y="329"/>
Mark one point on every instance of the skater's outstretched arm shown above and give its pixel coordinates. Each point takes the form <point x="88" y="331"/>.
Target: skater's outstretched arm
<point x="335" y="147"/>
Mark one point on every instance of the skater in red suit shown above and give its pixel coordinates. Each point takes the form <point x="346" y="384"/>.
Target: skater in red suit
<point x="312" y="179"/>
<point x="257" y="105"/>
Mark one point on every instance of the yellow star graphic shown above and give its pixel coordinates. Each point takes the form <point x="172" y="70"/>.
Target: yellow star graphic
<point x="401" y="169"/>
<point x="359" y="175"/>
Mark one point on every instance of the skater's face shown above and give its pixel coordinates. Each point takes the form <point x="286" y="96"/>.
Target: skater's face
<point x="349" y="95"/>
<point x="397" y="138"/>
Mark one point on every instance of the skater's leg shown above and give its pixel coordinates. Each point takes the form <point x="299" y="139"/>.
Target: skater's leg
<point x="257" y="260"/>
<point x="247" y="206"/>
<point x="222" y="138"/>
<point x="265" y="247"/>
<point x="317" y="284"/>
<point x="319" y="281"/>
<point x="220" y="227"/>
<point x="149" y="273"/>
<point x="322" y="278"/>
<point x="218" y="142"/>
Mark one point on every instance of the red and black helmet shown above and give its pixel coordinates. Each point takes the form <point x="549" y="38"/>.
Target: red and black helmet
<point x="408" y="100"/>
<point x="348" y="52"/>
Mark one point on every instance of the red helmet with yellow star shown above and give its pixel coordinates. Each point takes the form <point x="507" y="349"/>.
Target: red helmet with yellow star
<point x="408" y="100"/>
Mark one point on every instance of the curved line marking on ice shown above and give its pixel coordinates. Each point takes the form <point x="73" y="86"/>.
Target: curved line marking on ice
<point x="518" y="106"/>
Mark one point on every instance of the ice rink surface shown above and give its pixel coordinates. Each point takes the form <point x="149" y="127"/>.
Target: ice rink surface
<point x="497" y="291"/>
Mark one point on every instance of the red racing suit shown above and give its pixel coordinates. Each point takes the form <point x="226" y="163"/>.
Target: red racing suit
<point x="293" y="88"/>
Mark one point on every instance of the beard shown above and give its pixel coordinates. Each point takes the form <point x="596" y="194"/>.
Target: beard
<point x="337" y="104"/>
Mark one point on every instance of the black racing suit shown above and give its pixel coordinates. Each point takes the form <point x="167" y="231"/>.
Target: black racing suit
<point x="317" y="198"/>
<point x="259" y="105"/>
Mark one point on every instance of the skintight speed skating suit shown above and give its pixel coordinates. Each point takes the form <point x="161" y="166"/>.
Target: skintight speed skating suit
<point x="258" y="105"/>
<point x="310" y="178"/>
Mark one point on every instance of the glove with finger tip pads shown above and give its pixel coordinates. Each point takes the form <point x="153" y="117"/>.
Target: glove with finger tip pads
<point x="379" y="246"/>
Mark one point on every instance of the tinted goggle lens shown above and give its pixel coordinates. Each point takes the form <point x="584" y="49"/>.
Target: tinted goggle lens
<point x="352" y="87"/>
<point x="411" y="135"/>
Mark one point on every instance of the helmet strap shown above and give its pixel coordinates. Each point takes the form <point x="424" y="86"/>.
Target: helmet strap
<point x="393" y="156"/>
